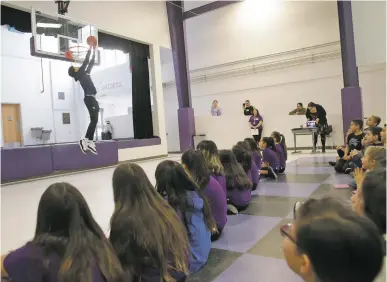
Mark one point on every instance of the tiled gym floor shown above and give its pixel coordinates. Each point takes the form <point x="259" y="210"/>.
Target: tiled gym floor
<point x="250" y="247"/>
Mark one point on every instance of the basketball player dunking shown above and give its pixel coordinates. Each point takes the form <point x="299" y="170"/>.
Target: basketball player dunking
<point x="82" y="75"/>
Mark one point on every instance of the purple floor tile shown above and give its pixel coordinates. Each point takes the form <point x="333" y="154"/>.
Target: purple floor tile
<point x="309" y="170"/>
<point x="244" y="231"/>
<point x="287" y="189"/>
<point x="252" y="268"/>
<point x="337" y="178"/>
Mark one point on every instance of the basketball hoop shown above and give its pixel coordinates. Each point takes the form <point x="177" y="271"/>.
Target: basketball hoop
<point x="76" y="52"/>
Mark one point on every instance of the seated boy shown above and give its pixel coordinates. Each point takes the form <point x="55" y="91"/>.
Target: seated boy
<point x="354" y="142"/>
<point x="329" y="242"/>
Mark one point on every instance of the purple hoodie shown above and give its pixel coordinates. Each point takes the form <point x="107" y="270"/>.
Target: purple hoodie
<point x="281" y="155"/>
<point x="253" y="173"/>
<point x="221" y="180"/>
<point x="271" y="157"/>
<point x="218" y="202"/>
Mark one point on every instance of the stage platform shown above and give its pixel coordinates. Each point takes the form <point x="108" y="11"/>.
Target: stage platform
<point x="28" y="162"/>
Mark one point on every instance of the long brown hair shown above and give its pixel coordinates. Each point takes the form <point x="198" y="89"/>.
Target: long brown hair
<point x="66" y="227"/>
<point x="145" y="229"/>
<point x="211" y="155"/>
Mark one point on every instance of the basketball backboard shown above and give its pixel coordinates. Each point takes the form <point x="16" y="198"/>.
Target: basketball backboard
<point x="53" y="35"/>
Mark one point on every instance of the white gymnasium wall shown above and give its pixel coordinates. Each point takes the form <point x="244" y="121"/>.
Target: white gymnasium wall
<point x="222" y="50"/>
<point x="369" y="23"/>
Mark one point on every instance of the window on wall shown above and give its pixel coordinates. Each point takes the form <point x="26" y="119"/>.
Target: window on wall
<point x="110" y="58"/>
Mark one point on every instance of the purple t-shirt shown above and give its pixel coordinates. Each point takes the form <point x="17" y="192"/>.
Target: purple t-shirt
<point x="253" y="173"/>
<point x="255" y="120"/>
<point x="257" y="159"/>
<point x="281" y="155"/>
<point x="28" y="264"/>
<point x="218" y="202"/>
<point x="271" y="157"/>
<point x="221" y="180"/>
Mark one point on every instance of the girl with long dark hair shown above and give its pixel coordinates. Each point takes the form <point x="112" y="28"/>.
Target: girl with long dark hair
<point x="68" y="245"/>
<point x="256" y="152"/>
<point x="243" y="154"/>
<point x="270" y="160"/>
<point x="238" y="184"/>
<point x="211" y="155"/>
<point x="194" y="163"/>
<point x="146" y="232"/>
<point x="185" y="197"/>
<point x="280" y="146"/>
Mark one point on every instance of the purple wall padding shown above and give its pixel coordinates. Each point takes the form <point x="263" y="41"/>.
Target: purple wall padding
<point x="186" y="119"/>
<point x="20" y="163"/>
<point x="70" y="156"/>
<point x="124" y="144"/>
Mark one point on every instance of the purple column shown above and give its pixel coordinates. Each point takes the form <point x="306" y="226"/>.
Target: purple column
<point x="185" y="113"/>
<point x="351" y="98"/>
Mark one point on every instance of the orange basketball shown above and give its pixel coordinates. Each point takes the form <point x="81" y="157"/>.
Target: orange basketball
<point x="92" y="41"/>
<point x="69" y="55"/>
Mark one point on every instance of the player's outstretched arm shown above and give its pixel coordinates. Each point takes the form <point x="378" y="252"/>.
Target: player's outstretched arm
<point x="91" y="63"/>
<point x="85" y="62"/>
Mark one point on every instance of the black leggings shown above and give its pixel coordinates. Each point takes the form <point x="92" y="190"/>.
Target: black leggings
<point x="93" y="108"/>
<point x="341" y="165"/>
<point x="257" y="138"/>
<point x="323" y="139"/>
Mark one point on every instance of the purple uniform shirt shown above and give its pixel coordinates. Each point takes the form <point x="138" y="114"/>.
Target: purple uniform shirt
<point x="255" y="120"/>
<point x="218" y="202"/>
<point x="239" y="197"/>
<point x="271" y="157"/>
<point x="221" y="180"/>
<point x="28" y="264"/>
<point x="257" y="159"/>
<point x="281" y="155"/>
<point x="253" y="173"/>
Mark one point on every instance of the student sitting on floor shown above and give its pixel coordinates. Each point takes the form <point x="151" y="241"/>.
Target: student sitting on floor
<point x="194" y="163"/>
<point x="211" y="155"/>
<point x="270" y="162"/>
<point x="238" y="184"/>
<point x="373" y="121"/>
<point x="370" y="201"/>
<point x="185" y="196"/>
<point x="280" y="146"/>
<point x="256" y="152"/>
<point x="68" y="244"/>
<point x="371" y="138"/>
<point x="341" y="149"/>
<point x="329" y="242"/>
<point x="146" y="232"/>
<point x="243" y="155"/>
<point x="374" y="158"/>
<point x="354" y="142"/>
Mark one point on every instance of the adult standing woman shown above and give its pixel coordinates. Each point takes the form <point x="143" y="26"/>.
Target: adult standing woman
<point x="255" y="123"/>
<point x="215" y="109"/>
<point x="317" y="113"/>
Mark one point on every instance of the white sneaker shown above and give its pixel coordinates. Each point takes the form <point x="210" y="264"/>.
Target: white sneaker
<point x="91" y="147"/>
<point x="231" y="209"/>
<point x="83" y="145"/>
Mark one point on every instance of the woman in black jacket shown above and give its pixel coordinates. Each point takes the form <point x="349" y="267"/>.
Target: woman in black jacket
<point x="317" y="113"/>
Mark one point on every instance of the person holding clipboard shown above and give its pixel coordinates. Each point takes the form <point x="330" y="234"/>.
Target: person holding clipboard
<point x="255" y="123"/>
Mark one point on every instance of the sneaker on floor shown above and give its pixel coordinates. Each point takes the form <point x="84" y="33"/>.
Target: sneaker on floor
<point x="332" y="163"/>
<point x="271" y="172"/>
<point x="83" y="146"/>
<point x="296" y="206"/>
<point x="91" y="147"/>
<point x="231" y="209"/>
<point x="348" y="170"/>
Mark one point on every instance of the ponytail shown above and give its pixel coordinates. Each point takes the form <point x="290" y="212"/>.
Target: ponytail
<point x="243" y="157"/>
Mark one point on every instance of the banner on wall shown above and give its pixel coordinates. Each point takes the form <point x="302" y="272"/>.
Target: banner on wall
<point x="113" y="81"/>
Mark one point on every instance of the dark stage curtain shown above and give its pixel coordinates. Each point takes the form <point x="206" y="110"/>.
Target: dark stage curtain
<point x="141" y="101"/>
